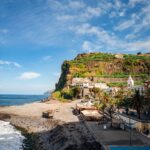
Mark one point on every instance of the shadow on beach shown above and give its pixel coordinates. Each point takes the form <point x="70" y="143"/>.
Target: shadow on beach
<point x="51" y="134"/>
<point x="70" y="136"/>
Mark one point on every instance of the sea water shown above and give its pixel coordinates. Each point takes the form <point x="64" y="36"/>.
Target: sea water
<point x="13" y="99"/>
<point x="10" y="138"/>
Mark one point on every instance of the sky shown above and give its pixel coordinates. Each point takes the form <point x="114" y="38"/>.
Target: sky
<point x="36" y="36"/>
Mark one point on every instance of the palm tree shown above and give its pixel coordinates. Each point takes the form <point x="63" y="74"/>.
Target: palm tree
<point x="137" y="102"/>
<point x="104" y="101"/>
<point x="121" y="95"/>
<point x="96" y="92"/>
<point x="148" y="92"/>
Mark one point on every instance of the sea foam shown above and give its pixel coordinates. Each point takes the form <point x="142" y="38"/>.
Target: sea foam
<point x="10" y="138"/>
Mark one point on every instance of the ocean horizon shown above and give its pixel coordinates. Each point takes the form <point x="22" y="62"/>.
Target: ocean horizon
<point x="10" y="137"/>
<point x="19" y="99"/>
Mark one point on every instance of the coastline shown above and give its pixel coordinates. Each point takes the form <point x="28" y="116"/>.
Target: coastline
<point x="63" y="132"/>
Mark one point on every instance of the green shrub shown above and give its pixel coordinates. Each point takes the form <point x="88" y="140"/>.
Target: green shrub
<point x="67" y="94"/>
<point x="56" y="95"/>
<point x="123" y="84"/>
<point x="79" y="75"/>
<point x="117" y="84"/>
<point x="76" y="91"/>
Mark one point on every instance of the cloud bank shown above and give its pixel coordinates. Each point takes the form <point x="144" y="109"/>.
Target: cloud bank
<point x="10" y="63"/>
<point x="29" y="75"/>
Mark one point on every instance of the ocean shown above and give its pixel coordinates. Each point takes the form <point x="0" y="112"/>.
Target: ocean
<point x="13" y="99"/>
<point x="10" y="138"/>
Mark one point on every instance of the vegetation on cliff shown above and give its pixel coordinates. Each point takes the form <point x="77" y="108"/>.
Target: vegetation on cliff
<point x="105" y="65"/>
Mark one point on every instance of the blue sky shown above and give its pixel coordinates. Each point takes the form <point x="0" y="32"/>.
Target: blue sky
<point x="36" y="36"/>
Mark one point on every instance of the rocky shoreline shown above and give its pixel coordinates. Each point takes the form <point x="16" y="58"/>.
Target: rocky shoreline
<point x="52" y="134"/>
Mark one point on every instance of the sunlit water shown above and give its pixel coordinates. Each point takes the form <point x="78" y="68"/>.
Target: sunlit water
<point x="10" y="138"/>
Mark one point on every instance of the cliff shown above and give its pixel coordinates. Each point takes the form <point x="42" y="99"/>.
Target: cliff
<point x="105" y="67"/>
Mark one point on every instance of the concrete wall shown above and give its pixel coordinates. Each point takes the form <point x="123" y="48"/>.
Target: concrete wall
<point x="109" y="80"/>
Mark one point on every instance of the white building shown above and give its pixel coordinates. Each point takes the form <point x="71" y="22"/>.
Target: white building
<point x="130" y="82"/>
<point x="80" y="82"/>
<point x="87" y="83"/>
<point x="102" y="86"/>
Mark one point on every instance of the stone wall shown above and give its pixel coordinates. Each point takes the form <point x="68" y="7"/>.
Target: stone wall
<point x="110" y="80"/>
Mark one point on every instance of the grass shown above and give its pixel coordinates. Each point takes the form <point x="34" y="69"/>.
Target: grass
<point x="105" y="65"/>
<point x="123" y="84"/>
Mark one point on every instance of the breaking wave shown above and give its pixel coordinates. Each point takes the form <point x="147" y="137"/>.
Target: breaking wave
<point x="10" y="138"/>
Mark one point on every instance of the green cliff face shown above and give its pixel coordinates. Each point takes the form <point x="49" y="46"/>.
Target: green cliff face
<point x="109" y="68"/>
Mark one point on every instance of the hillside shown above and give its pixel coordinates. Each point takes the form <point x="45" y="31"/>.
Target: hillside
<point x="113" y="69"/>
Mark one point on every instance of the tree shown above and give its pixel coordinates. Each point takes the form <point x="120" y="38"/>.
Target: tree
<point x="101" y="104"/>
<point x="148" y="92"/>
<point x="104" y="101"/>
<point x="139" y="53"/>
<point x="111" y="110"/>
<point x="67" y="94"/>
<point x="95" y="91"/>
<point x="136" y="102"/>
<point x="76" y="91"/>
<point x="122" y="98"/>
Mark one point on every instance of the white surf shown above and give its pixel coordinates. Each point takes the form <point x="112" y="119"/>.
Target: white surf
<point x="10" y="138"/>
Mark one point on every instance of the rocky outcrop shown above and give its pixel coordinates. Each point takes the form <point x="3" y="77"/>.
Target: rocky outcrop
<point x="105" y="67"/>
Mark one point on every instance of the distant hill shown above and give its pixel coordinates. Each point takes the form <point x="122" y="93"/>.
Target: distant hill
<point x="113" y="69"/>
<point x="48" y="93"/>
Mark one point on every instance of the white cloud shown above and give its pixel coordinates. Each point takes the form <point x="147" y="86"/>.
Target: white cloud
<point x="118" y="9"/>
<point x="139" y="21"/>
<point x="144" y="19"/>
<point x="2" y="62"/>
<point x="93" y="11"/>
<point x="131" y="36"/>
<point x="108" y="41"/>
<point x="87" y="29"/>
<point x="76" y="5"/>
<point x="113" y="14"/>
<point x="132" y="3"/>
<point x="87" y="46"/>
<point x="58" y="15"/>
<point x="125" y="25"/>
<point x="118" y="4"/>
<point x="139" y="45"/>
<point x="122" y="13"/>
<point x="15" y="64"/>
<point x="84" y="15"/>
<point x="102" y="35"/>
<point x="46" y="58"/>
<point x="29" y="75"/>
<point x="65" y="17"/>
